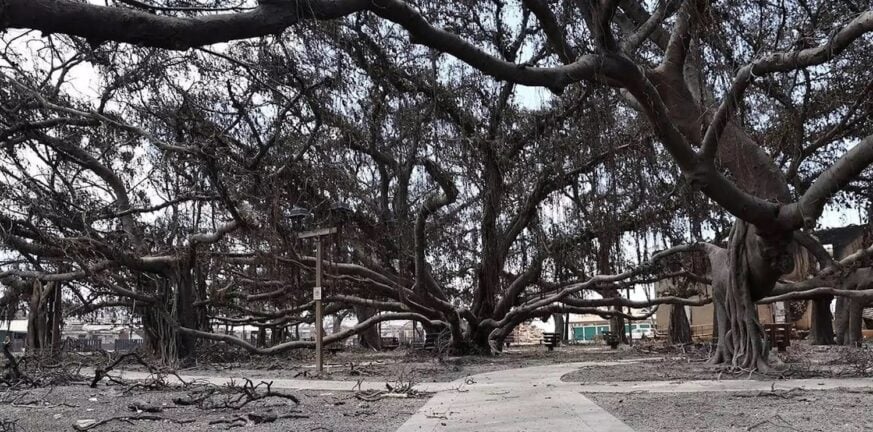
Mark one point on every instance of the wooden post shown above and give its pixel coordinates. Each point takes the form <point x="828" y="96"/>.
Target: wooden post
<point x="319" y="346"/>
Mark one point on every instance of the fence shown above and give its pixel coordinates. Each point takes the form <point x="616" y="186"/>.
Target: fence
<point x="702" y="332"/>
<point x="127" y="345"/>
<point x="82" y="345"/>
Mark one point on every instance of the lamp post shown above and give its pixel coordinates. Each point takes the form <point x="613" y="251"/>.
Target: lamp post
<point x="298" y="215"/>
<point x="316" y="291"/>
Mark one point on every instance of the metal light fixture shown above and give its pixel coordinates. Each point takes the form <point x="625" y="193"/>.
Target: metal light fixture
<point x="297" y="217"/>
<point x="340" y="212"/>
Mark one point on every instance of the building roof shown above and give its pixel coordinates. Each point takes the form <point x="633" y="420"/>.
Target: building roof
<point x="840" y="236"/>
<point x="14" y="326"/>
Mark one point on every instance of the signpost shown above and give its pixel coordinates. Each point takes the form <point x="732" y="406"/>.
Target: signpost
<point x="316" y="293"/>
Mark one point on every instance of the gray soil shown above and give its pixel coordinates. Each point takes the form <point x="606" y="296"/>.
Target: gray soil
<point x="800" y="361"/>
<point x="59" y="408"/>
<point x="668" y="369"/>
<point x="836" y="410"/>
<point x="403" y="364"/>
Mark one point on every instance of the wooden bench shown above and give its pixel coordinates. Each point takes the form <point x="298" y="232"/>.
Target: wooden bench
<point x="335" y="347"/>
<point x="508" y="341"/>
<point x="430" y="340"/>
<point x="611" y="339"/>
<point x="551" y="340"/>
<point x="390" y="343"/>
<point x="779" y="335"/>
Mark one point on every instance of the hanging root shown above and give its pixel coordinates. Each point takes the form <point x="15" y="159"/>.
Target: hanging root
<point x="741" y="338"/>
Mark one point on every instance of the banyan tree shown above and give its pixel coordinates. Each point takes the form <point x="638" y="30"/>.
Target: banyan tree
<point x="497" y="156"/>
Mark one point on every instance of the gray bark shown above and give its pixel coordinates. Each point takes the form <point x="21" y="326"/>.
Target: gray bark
<point x="680" y="329"/>
<point x="822" y="328"/>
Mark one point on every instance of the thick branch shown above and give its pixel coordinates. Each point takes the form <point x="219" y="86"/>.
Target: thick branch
<point x="102" y="23"/>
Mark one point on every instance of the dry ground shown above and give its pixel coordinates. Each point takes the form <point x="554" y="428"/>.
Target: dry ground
<point x="782" y="411"/>
<point x="800" y="361"/>
<point x="59" y="408"/>
<point x="422" y="366"/>
<point x="832" y="410"/>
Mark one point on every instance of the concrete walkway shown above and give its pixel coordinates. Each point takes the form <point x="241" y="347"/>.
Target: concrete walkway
<point x="528" y="399"/>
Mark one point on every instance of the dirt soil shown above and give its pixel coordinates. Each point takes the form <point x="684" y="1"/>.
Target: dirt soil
<point x="800" y="361"/>
<point x="832" y="410"/>
<point x="403" y="364"/>
<point x="59" y="408"/>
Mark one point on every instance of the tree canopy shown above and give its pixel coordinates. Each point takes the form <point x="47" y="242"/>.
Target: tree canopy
<point x="489" y="162"/>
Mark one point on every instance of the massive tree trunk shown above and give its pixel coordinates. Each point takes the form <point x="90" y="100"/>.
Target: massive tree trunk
<point x="34" y="329"/>
<point x="848" y="321"/>
<point x="604" y="266"/>
<point x="176" y="292"/>
<point x="56" y="323"/>
<point x="841" y="319"/>
<point x="488" y="277"/>
<point x="478" y="341"/>
<point x="617" y="326"/>
<point x="742" y="274"/>
<point x="822" y="327"/>
<point x="680" y="329"/>
<point x="277" y="335"/>
<point x="185" y="314"/>
<point x="369" y="338"/>
<point x="749" y="268"/>
<point x="202" y="311"/>
<point x="44" y="319"/>
<point x="261" y="339"/>
<point x="558" y="319"/>
<point x="159" y="333"/>
<point x="856" y="322"/>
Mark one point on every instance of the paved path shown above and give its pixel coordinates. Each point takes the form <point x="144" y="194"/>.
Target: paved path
<point x="529" y="399"/>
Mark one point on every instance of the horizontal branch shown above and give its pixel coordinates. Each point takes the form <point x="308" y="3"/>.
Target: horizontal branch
<point x="817" y="293"/>
<point x="563" y="294"/>
<point x="106" y="23"/>
<point x="637" y="304"/>
<point x="603" y="313"/>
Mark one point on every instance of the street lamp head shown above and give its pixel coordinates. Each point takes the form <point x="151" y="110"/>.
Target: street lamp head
<point x="298" y="213"/>
<point x="297" y="216"/>
<point x="340" y="212"/>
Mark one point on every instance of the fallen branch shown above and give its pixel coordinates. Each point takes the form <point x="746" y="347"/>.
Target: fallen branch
<point x="255" y="418"/>
<point x="784" y="394"/>
<point x="231" y="396"/>
<point x="129" y="420"/>
<point x="142" y="406"/>
<point x="101" y="373"/>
